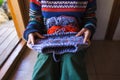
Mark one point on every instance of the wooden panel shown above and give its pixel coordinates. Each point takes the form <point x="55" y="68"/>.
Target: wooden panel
<point x="117" y="32"/>
<point x="104" y="8"/>
<point x="24" y="8"/>
<point x="10" y="64"/>
<point x="14" y="56"/>
<point x="2" y="31"/>
<point x="8" y="40"/>
<point x="5" y="35"/>
<point x="114" y="18"/>
<point x="7" y="50"/>
<point x="17" y="16"/>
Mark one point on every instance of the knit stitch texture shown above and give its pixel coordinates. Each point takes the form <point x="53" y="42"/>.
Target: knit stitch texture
<point x="41" y="10"/>
<point x="59" y="43"/>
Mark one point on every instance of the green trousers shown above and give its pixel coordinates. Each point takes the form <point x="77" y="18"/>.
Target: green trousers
<point x="70" y="67"/>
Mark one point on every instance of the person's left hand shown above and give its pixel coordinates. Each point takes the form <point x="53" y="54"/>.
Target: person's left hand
<point x="86" y="33"/>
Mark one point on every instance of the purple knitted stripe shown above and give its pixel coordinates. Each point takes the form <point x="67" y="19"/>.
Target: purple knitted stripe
<point x="59" y="43"/>
<point x="61" y="21"/>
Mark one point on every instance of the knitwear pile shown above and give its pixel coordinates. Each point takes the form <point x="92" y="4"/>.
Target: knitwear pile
<point x="59" y="43"/>
<point x="41" y="10"/>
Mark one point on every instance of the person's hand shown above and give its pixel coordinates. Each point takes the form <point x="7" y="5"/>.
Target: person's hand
<point x="31" y="38"/>
<point x="86" y="33"/>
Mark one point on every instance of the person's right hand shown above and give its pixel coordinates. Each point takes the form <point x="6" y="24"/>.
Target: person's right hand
<point x="31" y="38"/>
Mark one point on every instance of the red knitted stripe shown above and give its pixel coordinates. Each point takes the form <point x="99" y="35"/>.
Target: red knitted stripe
<point x="67" y="28"/>
<point x="64" y="9"/>
<point x="35" y="1"/>
<point x="53" y="29"/>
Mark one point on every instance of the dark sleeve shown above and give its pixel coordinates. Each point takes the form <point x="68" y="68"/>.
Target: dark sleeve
<point x="89" y="19"/>
<point x="35" y="19"/>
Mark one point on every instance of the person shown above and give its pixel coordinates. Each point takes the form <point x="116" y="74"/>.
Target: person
<point x="71" y="66"/>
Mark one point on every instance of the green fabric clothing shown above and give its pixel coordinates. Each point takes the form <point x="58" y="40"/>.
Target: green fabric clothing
<point x="71" y="67"/>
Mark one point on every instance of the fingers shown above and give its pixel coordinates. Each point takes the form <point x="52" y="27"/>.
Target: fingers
<point x="86" y="32"/>
<point x="28" y="44"/>
<point x="40" y="36"/>
<point x="31" y="38"/>
<point x="81" y="32"/>
<point x="87" y="35"/>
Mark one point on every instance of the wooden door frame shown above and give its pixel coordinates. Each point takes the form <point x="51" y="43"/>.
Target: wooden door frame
<point x="113" y="21"/>
<point x="24" y="8"/>
<point x="10" y="64"/>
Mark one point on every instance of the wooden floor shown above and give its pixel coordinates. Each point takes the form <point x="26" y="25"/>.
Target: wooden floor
<point x="8" y="39"/>
<point x="102" y="62"/>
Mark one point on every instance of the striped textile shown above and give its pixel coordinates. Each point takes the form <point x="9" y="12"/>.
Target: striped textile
<point x="41" y="10"/>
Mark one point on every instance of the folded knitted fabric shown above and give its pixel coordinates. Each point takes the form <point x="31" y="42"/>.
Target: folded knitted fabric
<point x="61" y="21"/>
<point x="59" y="43"/>
<point x="60" y="29"/>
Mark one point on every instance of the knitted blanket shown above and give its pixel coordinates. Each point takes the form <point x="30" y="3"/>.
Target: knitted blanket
<point x="59" y="43"/>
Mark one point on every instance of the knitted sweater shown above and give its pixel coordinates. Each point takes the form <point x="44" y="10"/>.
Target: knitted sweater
<point x="41" y="10"/>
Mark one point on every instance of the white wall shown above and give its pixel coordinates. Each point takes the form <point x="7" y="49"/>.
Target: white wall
<point x="117" y="32"/>
<point x="103" y="13"/>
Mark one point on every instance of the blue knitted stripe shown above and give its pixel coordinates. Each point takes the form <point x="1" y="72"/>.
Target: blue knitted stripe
<point x="34" y="7"/>
<point x="51" y="14"/>
<point x="44" y="10"/>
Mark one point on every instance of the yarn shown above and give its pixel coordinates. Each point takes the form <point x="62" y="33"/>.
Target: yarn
<point x="53" y="29"/>
<point x="61" y="21"/>
<point x="59" y="29"/>
<point x="70" y="28"/>
<point x="59" y="43"/>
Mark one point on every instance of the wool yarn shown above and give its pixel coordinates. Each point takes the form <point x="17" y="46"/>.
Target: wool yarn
<point x="61" y="21"/>
<point x="59" y="43"/>
<point x="59" y="29"/>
